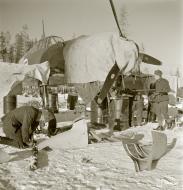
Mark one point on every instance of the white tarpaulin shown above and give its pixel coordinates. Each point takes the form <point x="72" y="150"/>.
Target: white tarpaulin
<point x="11" y="73"/>
<point x="90" y="58"/>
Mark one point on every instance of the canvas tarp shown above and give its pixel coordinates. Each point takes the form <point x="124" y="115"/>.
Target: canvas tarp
<point x="11" y="73"/>
<point x="90" y="58"/>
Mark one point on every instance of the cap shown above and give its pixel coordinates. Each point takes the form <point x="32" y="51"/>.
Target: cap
<point x="158" y="72"/>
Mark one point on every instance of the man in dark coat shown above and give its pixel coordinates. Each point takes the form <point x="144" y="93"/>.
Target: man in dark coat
<point x="151" y="104"/>
<point x="162" y="88"/>
<point x="20" y="123"/>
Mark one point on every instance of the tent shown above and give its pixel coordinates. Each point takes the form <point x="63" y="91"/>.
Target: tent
<point x="12" y="74"/>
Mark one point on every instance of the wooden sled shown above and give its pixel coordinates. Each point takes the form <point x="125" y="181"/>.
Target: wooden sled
<point x="147" y="157"/>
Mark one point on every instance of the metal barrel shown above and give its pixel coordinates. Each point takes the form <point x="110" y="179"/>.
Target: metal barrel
<point x="72" y="100"/>
<point x="53" y="102"/>
<point x="119" y="112"/>
<point x="117" y="108"/>
<point x="98" y="114"/>
<point x="9" y="103"/>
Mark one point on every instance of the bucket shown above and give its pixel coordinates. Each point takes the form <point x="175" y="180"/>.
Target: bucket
<point x="72" y="100"/>
<point x="53" y="102"/>
<point x="9" y="103"/>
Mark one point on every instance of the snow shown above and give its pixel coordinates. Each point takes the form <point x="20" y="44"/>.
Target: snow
<point x="76" y="137"/>
<point x="100" y="166"/>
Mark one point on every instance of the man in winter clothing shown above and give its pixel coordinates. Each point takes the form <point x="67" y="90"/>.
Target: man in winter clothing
<point x="20" y="123"/>
<point x="162" y="88"/>
<point x="151" y="104"/>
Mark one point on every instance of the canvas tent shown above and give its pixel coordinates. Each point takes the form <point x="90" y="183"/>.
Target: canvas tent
<point x="11" y="73"/>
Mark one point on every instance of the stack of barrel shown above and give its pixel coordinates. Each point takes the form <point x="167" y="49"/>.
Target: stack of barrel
<point x="9" y="103"/>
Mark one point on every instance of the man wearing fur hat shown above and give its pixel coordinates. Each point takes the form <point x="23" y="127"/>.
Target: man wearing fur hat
<point x="20" y="123"/>
<point x="162" y="88"/>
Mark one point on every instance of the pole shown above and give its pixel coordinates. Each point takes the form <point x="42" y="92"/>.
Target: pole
<point x="45" y="95"/>
<point x="43" y="34"/>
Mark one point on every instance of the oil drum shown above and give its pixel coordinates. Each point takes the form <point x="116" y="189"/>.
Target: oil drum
<point x="98" y="114"/>
<point x="72" y="100"/>
<point x="119" y="112"/>
<point x="9" y="103"/>
<point x="117" y="108"/>
<point x="53" y="102"/>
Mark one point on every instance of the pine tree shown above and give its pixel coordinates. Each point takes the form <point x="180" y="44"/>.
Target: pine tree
<point x="7" y="45"/>
<point x="11" y="56"/>
<point x="19" y="47"/>
<point x="2" y="46"/>
<point x="25" y="38"/>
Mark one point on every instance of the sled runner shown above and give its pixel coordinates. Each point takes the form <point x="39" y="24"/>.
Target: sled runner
<point x="147" y="157"/>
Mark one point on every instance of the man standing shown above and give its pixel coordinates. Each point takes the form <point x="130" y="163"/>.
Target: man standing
<point x="151" y="104"/>
<point x="20" y="123"/>
<point x="162" y="88"/>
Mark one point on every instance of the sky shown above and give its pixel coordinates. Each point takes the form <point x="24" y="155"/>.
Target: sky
<point x="154" y="23"/>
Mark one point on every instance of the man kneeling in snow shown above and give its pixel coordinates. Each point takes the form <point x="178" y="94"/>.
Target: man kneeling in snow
<point x="20" y="124"/>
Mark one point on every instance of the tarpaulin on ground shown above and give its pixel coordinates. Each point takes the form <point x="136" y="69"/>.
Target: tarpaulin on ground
<point x="11" y="73"/>
<point x="90" y="58"/>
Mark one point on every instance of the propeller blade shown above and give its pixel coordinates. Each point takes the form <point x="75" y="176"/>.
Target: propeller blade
<point x="116" y="18"/>
<point x="149" y="59"/>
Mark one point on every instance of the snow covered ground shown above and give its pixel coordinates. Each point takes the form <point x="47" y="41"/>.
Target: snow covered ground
<point x="100" y="166"/>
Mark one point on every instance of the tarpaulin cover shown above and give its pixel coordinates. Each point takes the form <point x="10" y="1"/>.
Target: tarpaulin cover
<point x="90" y="58"/>
<point x="11" y="73"/>
<point x="47" y="49"/>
